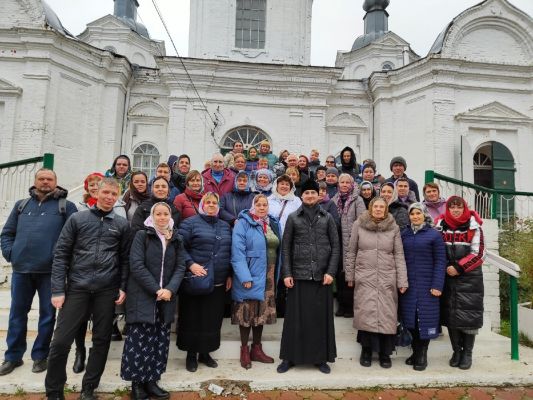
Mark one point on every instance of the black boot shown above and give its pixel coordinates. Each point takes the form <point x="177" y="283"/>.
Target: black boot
<point x="411" y="359"/>
<point x="138" y="392"/>
<point x="457" y="346"/>
<point x="366" y="357"/>
<point x="156" y="392"/>
<point x="466" y="355"/>
<point x="191" y="362"/>
<point x="79" y="361"/>
<point x="340" y="311"/>
<point x="421" y="359"/>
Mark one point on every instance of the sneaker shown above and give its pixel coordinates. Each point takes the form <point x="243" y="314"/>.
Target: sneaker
<point x="323" y="367"/>
<point x="39" y="366"/>
<point x="7" y="367"/>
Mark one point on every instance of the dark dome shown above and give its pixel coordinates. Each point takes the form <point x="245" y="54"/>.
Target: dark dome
<point x="365" y="40"/>
<point x="136" y="26"/>
<point x="371" y="5"/>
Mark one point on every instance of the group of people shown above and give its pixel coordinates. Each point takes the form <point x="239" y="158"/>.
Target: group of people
<point x="274" y="233"/>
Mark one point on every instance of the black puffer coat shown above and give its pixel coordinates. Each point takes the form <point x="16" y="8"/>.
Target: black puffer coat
<point x="92" y="253"/>
<point x="145" y="272"/>
<point x="461" y="304"/>
<point x="143" y="211"/>
<point x="310" y="250"/>
<point x="399" y="212"/>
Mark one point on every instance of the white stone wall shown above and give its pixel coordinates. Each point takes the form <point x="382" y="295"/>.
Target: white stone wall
<point x="288" y="32"/>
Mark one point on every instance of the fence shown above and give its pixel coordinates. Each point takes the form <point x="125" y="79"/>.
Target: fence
<point x="506" y="207"/>
<point x="15" y="179"/>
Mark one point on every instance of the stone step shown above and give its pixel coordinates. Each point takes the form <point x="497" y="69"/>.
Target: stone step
<point x="492" y="367"/>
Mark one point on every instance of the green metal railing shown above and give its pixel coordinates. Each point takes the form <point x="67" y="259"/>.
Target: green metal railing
<point x="502" y="206"/>
<point x="16" y="177"/>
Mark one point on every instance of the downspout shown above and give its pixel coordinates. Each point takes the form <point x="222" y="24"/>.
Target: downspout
<point x="125" y="113"/>
<point x="371" y="98"/>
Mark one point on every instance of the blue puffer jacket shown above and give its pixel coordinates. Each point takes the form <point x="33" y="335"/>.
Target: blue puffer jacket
<point x="28" y="239"/>
<point x="199" y="236"/>
<point x="249" y="257"/>
<point x="232" y="203"/>
<point x="425" y="256"/>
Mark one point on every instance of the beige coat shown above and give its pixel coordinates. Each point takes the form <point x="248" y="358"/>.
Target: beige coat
<point x="376" y="264"/>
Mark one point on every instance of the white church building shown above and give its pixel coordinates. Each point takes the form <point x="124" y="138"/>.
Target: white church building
<point x="463" y="110"/>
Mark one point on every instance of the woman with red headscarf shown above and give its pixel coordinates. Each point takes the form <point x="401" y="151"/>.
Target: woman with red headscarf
<point x="462" y="299"/>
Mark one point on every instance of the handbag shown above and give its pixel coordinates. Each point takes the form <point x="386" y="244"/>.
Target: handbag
<point x="202" y="285"/>
<point x="403" y="336"/>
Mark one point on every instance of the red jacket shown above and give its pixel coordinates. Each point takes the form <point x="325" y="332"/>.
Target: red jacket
<point x="225" y="185"/>
<point x="187" y="203"/>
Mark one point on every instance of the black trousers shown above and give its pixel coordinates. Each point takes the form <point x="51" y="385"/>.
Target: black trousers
<point x="73" y="314"/>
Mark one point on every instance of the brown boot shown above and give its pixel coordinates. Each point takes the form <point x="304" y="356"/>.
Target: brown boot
<point x="257" y="354"/>
<point x="245" y="357"/>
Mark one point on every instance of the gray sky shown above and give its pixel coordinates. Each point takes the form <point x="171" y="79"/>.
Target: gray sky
<point x="336" y="23"/>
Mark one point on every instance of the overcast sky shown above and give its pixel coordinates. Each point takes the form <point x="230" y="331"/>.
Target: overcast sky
<point x="336" y="23"/>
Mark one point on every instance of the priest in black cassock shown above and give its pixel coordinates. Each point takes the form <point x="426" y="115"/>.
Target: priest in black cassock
<point x="311" y="253"/>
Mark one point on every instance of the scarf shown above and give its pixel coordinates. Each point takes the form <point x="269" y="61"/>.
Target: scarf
<point x="164" y="232"/>
<point x="455" y="223"/>
<point x="91" y="201"/>
<point x="263" y="221"/>
<point x="385" y="214"/>
<point x="416" y="228"/>
<point x="325" y="199"/>
<point x="345" y="200"/>
<point x="268" y="186"/>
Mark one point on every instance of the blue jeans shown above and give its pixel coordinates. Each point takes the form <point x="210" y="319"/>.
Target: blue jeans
<point x="23" y="288"/>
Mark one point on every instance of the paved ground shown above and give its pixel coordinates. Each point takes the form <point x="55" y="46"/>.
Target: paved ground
<point x="492" y="368"/>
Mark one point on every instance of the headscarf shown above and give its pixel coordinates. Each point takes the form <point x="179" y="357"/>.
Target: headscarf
<point x="165" y="232"/>
<point x="201" y="205"/>
<point x="288" y="196"/>
<point x="345" y="199"/>
<point x="363" y="185"/>
<point x="263" y="221"/>
<point x="270" y="177"/>
<point x="427" y="218"/>
<point x="453" y="222"/>
<point x="89" y="200"/>
<point x="247" y="189"/>
<point x="385" y="215"/>
<point x="394" y="192"/>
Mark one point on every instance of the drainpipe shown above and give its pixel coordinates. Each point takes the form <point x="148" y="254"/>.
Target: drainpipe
<point x="371" y="99"/>
<point x="125" y="114"/>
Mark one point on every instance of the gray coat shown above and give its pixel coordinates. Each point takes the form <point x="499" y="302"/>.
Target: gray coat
<point x="376" y="264"/>
<point x="356" y="209"/>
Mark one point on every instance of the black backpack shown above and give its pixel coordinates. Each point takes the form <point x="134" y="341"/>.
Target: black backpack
<point x="62" y="204"/>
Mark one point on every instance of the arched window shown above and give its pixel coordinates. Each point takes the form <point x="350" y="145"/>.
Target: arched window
<point x="387" y="66"/>
<point x="248" y="135"/>
<point x="145" y="158"/>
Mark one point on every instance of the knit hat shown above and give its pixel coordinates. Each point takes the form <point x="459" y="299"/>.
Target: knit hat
<point x="400" y="160"/>
<point x="309" y="185"/>
<point x="332" y="170"/>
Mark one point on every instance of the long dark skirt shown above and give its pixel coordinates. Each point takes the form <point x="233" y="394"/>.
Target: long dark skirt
<point x="200" y="320"/>
<point x="379" y="342"/>
<point x="145" y="354"/>
<point x="308" y="329"/>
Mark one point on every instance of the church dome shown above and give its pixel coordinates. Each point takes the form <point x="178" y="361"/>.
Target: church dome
<point x="376" y="23"/>
<point x="371" y="5"/>
<point x="366" y="39"/>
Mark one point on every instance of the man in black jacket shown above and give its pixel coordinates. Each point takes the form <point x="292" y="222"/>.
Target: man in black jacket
<point x="311" y="253"/>
<point x="89" y="276"/>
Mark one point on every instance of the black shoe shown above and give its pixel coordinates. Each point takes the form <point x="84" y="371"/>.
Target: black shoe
<point x="55" y="396"/>
<point x="410" y="360"/>
<point x="116" y="336"/>
<point x="7" y="367"/>
<point x="39" y="366"/>
<point x="366" y="357"/>
<point x="156" y="392"/>
<point x="79" y="361"/>
<point x="87" y="393"/>
<point x="339" y="312"/>
<point x="191" y="362"/>
<point x="284" y="366"/>
<point x="385" y="361"/>
<point x="323" y="367"/>
<point x="468" y="347"/>
<point x="207" y="360"/>
<point x="138" y="392"/>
